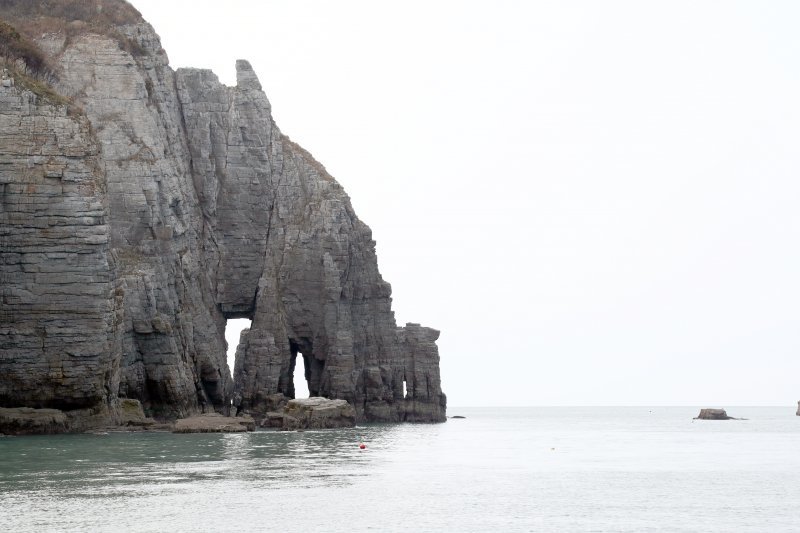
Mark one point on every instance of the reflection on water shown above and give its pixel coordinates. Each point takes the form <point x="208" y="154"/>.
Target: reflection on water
<point x="118" y="463"/>
<point x="527" y="469"/>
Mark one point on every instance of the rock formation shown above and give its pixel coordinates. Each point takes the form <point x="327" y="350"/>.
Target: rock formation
<point x="142" y="207"/>
<point x="29" y="421"/>
<point x="312" y="413"/>
<point x="713" y="414"/>
<point x="214" y="423"/>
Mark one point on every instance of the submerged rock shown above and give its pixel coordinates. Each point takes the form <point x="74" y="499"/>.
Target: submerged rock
<point x="713" y="414"/>
<point x="214" y="423"/>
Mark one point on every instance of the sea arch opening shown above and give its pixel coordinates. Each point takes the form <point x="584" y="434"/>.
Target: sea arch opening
<point x="233" y="334"/>
<point x="299" y="376"/>
<point x="305" y="371"/>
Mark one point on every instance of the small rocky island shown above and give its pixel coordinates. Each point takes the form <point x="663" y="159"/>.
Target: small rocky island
<point x="714" y="414"/>
<point x="142" y="207"/>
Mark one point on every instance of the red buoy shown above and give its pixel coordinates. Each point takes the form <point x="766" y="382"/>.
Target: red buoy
<point x="362" y="446"/>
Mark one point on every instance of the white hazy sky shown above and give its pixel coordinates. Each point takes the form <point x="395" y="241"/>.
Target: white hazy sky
<point x="597" y="203"/>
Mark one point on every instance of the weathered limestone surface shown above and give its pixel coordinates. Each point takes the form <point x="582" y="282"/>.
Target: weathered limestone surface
<point x="312" y="413"/>
<point x="57" y="301"/>
<point x="161" y="205"/>
<point x="171" y="343"/>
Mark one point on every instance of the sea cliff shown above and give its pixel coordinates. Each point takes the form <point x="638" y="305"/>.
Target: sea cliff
<point x="142" y="207"/>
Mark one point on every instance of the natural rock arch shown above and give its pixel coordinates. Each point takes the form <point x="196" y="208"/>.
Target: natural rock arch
<point x="163" y="204"/>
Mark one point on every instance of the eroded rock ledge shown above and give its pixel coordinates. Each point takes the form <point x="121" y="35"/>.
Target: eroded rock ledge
<point x="311" y="413"/>
<point x="214" y="423"/>
<point x="158" y="204"/>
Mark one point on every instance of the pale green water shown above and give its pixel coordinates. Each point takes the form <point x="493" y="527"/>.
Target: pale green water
<point x="612" y="469"/>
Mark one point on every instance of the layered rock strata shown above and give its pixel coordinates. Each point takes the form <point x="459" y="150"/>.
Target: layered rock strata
<point x="136" y="221"/>
<point x="30" y="421"/>
<point x="57" y="290"/>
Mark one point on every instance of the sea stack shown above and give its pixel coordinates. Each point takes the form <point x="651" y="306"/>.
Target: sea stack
<point x="712" y="414"/>
<point x="142" y="207"/>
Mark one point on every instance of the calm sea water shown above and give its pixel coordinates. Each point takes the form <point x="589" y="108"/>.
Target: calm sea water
<point x="516" y="469"/>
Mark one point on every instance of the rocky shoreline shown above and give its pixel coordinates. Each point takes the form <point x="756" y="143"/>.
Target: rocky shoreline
<point x="292" y="415"/>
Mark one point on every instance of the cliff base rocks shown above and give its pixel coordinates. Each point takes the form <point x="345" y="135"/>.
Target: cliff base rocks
<point x="312" y="413"/>
<point x="214" y="423"/>
<point x="131" y="414"/>
<point x="29" y="421"/>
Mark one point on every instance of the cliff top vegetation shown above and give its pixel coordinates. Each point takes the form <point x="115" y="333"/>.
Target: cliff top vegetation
<point x="27" y="64"/>
<point x="73" y="17"/>
<point x="97" y="13"/>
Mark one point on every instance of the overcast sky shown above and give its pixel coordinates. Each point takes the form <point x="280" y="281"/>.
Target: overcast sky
<point x="597" y="203"/>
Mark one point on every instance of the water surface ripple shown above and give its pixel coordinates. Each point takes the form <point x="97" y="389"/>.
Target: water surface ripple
<point x="517" y="469"/>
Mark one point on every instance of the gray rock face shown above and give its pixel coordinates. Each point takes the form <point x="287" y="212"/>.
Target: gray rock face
<point x="287" y="250"/>
<point x="163" y="204"/>
<point x="57" y="299"/>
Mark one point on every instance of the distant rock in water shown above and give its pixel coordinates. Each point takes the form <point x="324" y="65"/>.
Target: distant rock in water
<point x="798" y="408"/>
<point x="141" y="208"/>
<point x="713" y="414"/>
<point x="458" y="416"/>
